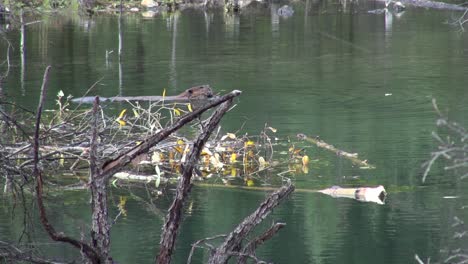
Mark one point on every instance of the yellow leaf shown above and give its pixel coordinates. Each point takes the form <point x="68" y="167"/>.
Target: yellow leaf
<point x="233" y="157"/>
<point x="179" y="149"/>
<point x="250" y="183"/>
<point x="121" y="122"/>
<point x="305" y="160"/>
<point x="164" y="93"/>
<point x="180" y="142"/>
<point x="233" y="172"/>
<point x="176" y="112"/>
<point x="135" y="113"/>
<point x="121" y="206"/>
<point x="249" y="143"/>
<point x="189" y="106"/>
<point x="122" y="113"/>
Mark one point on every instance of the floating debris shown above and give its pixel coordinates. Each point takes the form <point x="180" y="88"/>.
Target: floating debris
<point x="362" y="194"/>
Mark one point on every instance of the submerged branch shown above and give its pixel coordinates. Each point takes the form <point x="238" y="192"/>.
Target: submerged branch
<point x="353" y="157"/>
<point x="451" y="149"/>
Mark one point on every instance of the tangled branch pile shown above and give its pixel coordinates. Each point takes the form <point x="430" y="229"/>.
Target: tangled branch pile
<point x="65" y="137"/>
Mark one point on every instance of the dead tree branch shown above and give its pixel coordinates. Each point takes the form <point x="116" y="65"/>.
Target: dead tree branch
<point x="10" y="252"/>
<point x="461" y="20"/>
<point x="232" y="243"/>
<point x="353" y="157"/>
<point x="100" y="228"/>
<point x="250" y="248"/>
<point x="56" y="236"/>
<point x="453" y="148"/>
<point x="197" y="245"/>
<point x="173" y="218"/>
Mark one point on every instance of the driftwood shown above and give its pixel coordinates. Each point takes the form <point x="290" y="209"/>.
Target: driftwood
<point x="353" y="157"/>
<point x="363" y="194"/>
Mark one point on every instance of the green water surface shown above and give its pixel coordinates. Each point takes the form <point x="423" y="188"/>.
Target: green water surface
<point x="360" y="81"/>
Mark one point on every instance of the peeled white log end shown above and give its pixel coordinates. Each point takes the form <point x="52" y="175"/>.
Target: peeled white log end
<point x="363" y="194"/>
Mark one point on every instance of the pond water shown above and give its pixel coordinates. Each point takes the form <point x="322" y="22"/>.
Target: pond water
<point x="362" y="82"/>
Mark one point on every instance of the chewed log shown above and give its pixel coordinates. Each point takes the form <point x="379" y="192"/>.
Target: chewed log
<point x="363" y="194"/>
<point x="353" y="157"/>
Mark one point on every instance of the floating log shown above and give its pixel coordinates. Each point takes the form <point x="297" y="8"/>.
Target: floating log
<point x="363" y="194"/>
<point x="431" y="4"/>
<point x="353" y="157"/>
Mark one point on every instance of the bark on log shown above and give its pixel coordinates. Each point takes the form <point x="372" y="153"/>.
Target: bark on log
<point x="100" y="227"/>
<point x="232" y="243"/>
<point x="174" y="216"/>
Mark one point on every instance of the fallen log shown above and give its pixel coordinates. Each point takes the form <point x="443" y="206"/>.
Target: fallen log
<point x="353" y="157"/>
<point x="363" y="194"/>
<point x="431" y="4"/>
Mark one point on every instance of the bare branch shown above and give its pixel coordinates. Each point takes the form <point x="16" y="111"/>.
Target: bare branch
<point x="452" y="149"/>
<point x="196" y="245"/>
<point x="250" y="248"/>
<point x="173" y="218"/>
<point x="10" y="252"/>
<point x="235" y="238"/>
<point x="115" y="165"/>
<point x="88" y="251"/>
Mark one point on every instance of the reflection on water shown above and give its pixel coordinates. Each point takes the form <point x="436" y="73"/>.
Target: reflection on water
<point x="362" y="82"/>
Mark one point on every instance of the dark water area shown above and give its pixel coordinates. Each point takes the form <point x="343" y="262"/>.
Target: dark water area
<point x="362" y="82"/>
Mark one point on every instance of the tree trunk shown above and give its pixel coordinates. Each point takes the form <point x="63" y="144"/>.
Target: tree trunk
<point x="100" y="222"/>
<point x="100" y="228"/>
